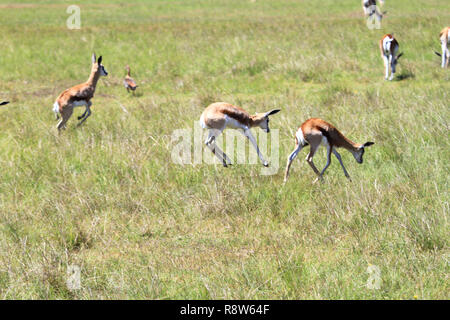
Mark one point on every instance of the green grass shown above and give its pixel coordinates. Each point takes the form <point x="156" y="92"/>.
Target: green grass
<point x="107" y="197"/>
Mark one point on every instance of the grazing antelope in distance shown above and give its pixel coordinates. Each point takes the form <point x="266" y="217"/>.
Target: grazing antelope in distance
<point x="370" y="8"/>
<point x="221" y="115"/>
<point x="79" y="95"/>
<point x="389" y="48"/>
<point x="444" y="36"/>
<point x="315" y="132"/>
<point x="3" y="103"/>
<point x="129" y="82"/>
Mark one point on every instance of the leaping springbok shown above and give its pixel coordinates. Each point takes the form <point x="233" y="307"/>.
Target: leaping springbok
<point x="444" y="37"/>
<point x="3" y="103"/>
<point x="389" y="48"/>
<point x="220" y="115"/>
<point x="79" y="95"/>
<point x="370" y="8"/>
<point x="315" y="132"/>
<point x="129" y="82"/>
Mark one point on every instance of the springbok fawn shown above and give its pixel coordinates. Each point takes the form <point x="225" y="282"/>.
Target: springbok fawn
<point x="79" y="95"/>
<point x="370" y="8"/>
<point x="389" y="48"/>
<point x="444" y="37"/>
<point x="3" y="103"/>
<point x="129" y="82"/>
<point x="315" y="132"/>
<point x="220" y="115"/>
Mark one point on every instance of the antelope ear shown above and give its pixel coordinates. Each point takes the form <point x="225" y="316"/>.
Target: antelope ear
<point x="93" y="58"/>
<point x="100" y="60"/>
<point x="271" y="112"/>
<point x="368" y="144"/>
<point x="399" y="55"/>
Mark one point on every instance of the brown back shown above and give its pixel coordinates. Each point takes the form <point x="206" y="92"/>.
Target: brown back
<point x="333" y="135"/>
<point x="234" y="112"/>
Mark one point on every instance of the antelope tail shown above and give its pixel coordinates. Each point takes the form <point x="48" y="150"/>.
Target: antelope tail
<point x="437" y="53"/>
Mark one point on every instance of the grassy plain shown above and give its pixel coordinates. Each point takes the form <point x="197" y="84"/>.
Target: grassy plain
<point x="107" y="198"/>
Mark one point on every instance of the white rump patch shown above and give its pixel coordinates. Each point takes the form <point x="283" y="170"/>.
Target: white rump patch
<point x="56" y="107"/>
<point x="300" y="138"/>
<point x="387" y="45"/>
<point x="202" y="123"/>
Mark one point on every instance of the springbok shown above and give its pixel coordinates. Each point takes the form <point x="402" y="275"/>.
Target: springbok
<point x="3" y="103"/>
<point x="221" y="115"/>
<point x="129" y="82"/>
<point x="389" y="48"/>
<point x="315" y="132"/>
<point x="79" y="95"/>
<point x="370" y="8"/>
<point x="444" y="37"/>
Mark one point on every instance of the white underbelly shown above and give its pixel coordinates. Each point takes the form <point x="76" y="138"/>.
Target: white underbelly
<point x="234" y="124"/>
<point x="80" y="103"/>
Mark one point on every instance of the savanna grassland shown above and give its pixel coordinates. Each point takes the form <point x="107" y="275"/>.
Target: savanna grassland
<point x="107" y="197"/>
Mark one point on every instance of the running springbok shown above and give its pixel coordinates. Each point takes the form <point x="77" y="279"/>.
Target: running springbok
<point x="79" y="95"/>
<point x="444" y="36"/>
<point x="389" y="48"/>
<point x="370" y="8"/>
<point x="221" y="115"/>
<point x="3" y="103"/>
<point x="315" y="132"/>
<point x="129" y="82"/>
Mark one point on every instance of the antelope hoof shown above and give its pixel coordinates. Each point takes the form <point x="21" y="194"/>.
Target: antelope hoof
<point x="319" y="178"/>
<point x="265" y="164"/>
<point x="80" y="117"/>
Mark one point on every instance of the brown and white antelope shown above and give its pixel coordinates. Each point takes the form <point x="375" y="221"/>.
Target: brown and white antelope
<point x="129" y="82"/>
<point x="221" y="115"/>
<point x="444" y="37"/>
<point x="389" y="49"/>
<point x="370" y="8"/>
<point x="315" y="132"/>
<point x="79" y="95"/>
<point x="3" y="103"/>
